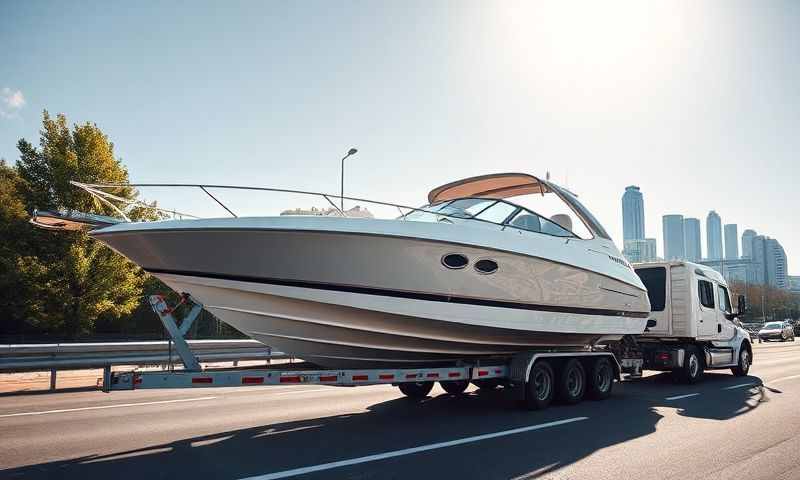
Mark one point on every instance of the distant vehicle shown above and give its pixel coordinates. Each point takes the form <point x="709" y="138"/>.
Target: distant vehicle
<point x="782" y="331"/>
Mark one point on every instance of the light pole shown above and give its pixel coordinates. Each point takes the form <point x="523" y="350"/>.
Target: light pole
<point x="350" y="153"/>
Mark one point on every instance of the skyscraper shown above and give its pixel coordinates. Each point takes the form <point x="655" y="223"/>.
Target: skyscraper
<point x="632" y="214"/>
<point x="639" y="251"/>
<point x="691" y="239"/>
<point x="760" y="259"/>
<point x="713" y="236"/>
<point x="731" y="242"/>
<point x="747" y="243"/>
<point x="674" y="246"/>
<point x="777" y="268"/>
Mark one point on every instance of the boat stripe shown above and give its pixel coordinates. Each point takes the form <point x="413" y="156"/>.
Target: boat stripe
<point x="431" y="297"/>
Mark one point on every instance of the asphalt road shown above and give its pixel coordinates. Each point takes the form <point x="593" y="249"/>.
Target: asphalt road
<point x="726" y="427"/>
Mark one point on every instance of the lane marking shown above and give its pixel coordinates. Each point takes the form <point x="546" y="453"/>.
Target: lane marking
<point x="741" y="385"/>
<point x="781" y="379"/>
<point x="678" y="397"/>
<point x="409" y="451"/>
<point x="102" y="407"/>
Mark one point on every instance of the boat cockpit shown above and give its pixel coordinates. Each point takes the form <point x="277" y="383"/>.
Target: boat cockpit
<point x="483" y="200"/>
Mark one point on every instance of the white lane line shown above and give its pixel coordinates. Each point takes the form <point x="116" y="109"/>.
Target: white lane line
<point x="741" y="385"/>
<point x="101" y="407"/>
<point x="678" y="397"/>
<point x="409" y="451"/>
<point x="781" y="379"/>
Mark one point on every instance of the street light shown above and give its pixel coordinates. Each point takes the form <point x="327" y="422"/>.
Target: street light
<point x="350" y="153"/>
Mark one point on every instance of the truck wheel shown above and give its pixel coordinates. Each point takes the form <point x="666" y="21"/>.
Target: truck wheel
<point x="601" y="379"/>
<point x="743" y="366"/>
<point x="416" y="390"/>
<point x="539" y="388"/>
<point x="454" y="387"/>
<point x="572" y="382"/>
<point x="692" y="370"/>
<point x="487" y="383"/>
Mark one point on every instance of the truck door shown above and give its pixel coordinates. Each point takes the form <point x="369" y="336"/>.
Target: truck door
<point x="726" y="327"/>
<point x="707" y="323"/>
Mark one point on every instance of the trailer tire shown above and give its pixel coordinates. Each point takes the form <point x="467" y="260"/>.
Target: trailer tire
<point x="416" y="389"/>
<point x="540" y="387"/>
<point x="454" y="387"/>
<point x="692" y="370"/>
<point x="487" y="384"/>
<point x="745" y="360"/>
<point x="571" y="382"/>
<point x="601" y="379"/>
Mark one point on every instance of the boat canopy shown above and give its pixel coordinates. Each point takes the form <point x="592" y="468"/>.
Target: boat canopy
<point x="496" y="185"/>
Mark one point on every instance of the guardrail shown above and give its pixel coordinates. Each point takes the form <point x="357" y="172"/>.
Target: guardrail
<point x="77" y="356"/>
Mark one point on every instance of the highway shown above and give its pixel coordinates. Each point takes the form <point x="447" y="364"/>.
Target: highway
<point x="725" y="427"/>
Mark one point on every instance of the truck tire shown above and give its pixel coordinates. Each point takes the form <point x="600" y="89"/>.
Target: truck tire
<point x="692" y="370"/>
<point x="571" y="382"/>
<point x="454" y="387"/>
<point x="600" y="380"/>
<point x="487" y="384"/>
<point x="745" y="359"/>
<point x="540" y="387"/>
<point x="416" y="389"/>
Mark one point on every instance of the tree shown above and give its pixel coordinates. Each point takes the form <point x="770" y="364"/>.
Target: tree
<point x="62" y="281"/>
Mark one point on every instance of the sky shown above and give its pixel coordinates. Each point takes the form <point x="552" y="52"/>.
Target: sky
<point x="696" y="102"/>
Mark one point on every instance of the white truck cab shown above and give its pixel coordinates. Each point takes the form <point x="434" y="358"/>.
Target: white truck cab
<point x="693" y="326"/>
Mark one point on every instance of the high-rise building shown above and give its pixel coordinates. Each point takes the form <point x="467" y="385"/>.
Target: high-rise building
<point x="759" y="258"/>
<point x="731" y="242"/>
<point x="747" y="243"/>
<point x="713" y="236"/>
<point x="674" y="246"/>
<point x="639" y="251"/>
<point x="794" y="284"/>
<point x="777" y="268"/>
<point x="632" y="214"/>
<point x="691" y="239"/>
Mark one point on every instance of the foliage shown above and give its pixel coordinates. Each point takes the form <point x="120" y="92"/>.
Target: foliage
<point x="61" y="281"/>
<point x="779" y="304"/>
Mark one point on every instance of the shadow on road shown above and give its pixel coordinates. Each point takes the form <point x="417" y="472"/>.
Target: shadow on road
<point x="632" y="412"/>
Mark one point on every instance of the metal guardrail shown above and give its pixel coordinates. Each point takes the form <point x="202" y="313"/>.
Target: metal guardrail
<point x="76" y="356"/>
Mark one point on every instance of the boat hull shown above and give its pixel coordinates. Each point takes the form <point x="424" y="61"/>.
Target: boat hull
<point x="338" y="297"/>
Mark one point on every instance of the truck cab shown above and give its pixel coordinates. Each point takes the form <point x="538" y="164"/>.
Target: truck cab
<point x="693" y="325"/>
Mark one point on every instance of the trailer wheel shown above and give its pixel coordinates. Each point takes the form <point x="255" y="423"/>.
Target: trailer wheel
<point x="601" y="379"/>
<point x="540" y="387"/>
<point x="487" y="383"/>
<point x="454" y="387"/>
<point x="741" y="368"/>
<point x="572" y="382"/>
<point x="416" y="389"/>
<point x="692" y="370"/>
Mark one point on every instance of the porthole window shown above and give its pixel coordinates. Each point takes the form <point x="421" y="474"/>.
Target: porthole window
<point x="454" y="261"/>
<point x="486" y="266"/>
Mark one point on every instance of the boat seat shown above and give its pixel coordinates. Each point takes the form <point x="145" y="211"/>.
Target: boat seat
<point x="562" y="220"/>
<point x="527" y="222"/>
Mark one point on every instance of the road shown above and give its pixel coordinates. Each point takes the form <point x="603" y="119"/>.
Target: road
<point x="725" y="427"/>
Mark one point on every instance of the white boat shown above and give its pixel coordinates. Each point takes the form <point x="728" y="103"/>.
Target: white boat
<point x="470" y="275"/>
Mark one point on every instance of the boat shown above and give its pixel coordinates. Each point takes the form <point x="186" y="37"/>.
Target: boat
<point x="471" y="274"/>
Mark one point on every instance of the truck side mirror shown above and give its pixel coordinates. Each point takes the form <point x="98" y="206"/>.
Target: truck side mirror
<point x="742" y="305"/>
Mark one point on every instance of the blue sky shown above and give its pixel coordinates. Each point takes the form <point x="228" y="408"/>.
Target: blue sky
<point x="696" y="102"/>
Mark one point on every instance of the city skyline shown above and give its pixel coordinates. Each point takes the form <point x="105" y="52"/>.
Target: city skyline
<point x="763" y="259"/>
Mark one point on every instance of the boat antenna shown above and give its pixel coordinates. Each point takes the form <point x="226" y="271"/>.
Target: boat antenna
<point x="350" y="153"/>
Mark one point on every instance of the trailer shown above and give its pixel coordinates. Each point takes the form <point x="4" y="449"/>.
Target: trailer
<point x="536" y="378"/>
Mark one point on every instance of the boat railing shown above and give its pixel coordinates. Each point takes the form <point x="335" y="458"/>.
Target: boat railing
<point x="119" y="204"/>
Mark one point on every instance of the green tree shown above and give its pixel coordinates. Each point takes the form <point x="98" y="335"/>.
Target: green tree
<point x="62" y="281"/>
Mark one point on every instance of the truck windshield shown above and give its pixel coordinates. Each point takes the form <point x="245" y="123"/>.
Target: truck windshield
<point x="655" y="280"/>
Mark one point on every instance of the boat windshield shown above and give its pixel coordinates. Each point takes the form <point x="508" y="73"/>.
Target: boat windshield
<point x="492" y="211"/>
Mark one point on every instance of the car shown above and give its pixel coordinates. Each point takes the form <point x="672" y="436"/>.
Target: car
<point x="782" y="331"/>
